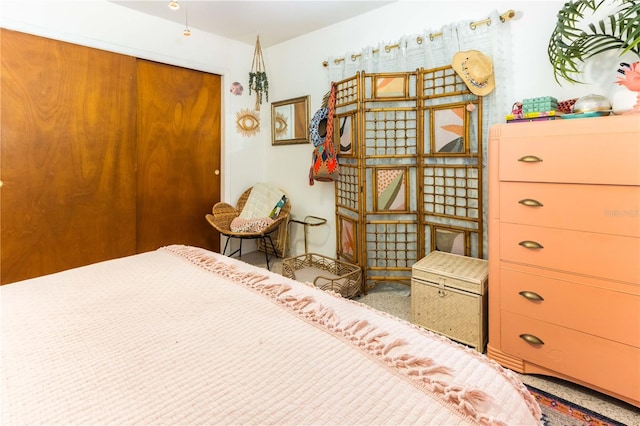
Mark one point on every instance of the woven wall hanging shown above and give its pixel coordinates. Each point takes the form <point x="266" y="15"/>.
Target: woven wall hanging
<point x="258" y="81"/>
<point x="248" y="122"/>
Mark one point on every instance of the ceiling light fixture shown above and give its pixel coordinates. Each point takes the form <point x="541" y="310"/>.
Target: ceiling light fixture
<point x="173" y="5"/>
<point x="187" y="31"/>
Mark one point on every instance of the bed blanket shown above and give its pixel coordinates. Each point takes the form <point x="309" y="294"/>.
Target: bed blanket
<point x="182" y="335"/>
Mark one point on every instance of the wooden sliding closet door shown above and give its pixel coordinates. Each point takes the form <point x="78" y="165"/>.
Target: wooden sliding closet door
<point x="178" y="156"/>
<point x="67" y="159"/>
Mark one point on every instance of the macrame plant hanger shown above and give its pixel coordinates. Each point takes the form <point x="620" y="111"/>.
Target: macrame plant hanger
<point x="258" y="76"/>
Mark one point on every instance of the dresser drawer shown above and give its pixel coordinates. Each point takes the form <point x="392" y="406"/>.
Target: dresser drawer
<point x="575" y="159"/>
<point x="596" y="208"/>
<point x="594" y="310"/>
<point x="604" y="363"/>
<point x="602" y="255"/>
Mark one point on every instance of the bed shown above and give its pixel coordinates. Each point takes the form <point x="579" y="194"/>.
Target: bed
<point x="182" y="335"/>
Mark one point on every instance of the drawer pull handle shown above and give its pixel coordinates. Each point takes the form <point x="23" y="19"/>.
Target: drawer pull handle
<point x="530" y="338"/>
<point x="531" y="244"/>
<point x="530" y="295"/>
<point x="530" y="159"/>
<point x="530" y="202"/>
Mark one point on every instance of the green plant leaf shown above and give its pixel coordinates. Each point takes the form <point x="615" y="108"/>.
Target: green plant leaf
<point x="569" y="46"/>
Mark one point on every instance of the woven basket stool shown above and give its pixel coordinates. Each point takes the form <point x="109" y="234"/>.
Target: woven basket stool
<point x="325" y="273"/>
<point x="449" y="297"/>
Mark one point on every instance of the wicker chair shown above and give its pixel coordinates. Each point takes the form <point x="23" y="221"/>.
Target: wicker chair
<point x="223" y="214"/>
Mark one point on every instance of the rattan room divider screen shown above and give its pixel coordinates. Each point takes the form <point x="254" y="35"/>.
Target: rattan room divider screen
<point x="410" y="153"/>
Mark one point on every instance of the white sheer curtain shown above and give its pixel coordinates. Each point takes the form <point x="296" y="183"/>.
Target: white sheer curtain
<point x="424" y="51"/>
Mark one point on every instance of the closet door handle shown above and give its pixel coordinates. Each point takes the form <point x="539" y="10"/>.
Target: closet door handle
<point x="529" y="202"/>
<point x="530" y="338"/>
<point x="530" y="244"/>
<point x="530" y="295"/>
<point x="530" y="159"/>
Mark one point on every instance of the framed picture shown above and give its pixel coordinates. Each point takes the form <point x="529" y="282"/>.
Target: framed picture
<point x="344" y="134"/>
<point x="390" y="87"/>
<point x="390" y="189"/>
<point x="448" y="127"/>
<point x="348" y="238"/>
<point x="290" y="121"/>
<point x="449" y="240"/>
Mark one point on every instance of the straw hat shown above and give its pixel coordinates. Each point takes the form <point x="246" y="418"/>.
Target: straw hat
<point x="476" y="69"/>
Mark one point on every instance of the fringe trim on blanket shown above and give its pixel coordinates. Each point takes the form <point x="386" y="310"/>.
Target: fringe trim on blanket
<point x="361" y="334"/>
<point x="509" y="375"/>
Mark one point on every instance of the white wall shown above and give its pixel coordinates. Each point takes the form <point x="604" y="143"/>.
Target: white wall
<point x="294" y="69"/>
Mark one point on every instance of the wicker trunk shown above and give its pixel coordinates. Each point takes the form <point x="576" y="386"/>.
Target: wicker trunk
<point x="449" y="297"/>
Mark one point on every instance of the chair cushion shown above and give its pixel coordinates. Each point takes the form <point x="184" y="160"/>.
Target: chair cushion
<point x="262" y="200"/>
<point x="250" y="225"/>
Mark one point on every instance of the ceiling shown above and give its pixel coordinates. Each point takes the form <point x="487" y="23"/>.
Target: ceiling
<point x="240" y="20"/>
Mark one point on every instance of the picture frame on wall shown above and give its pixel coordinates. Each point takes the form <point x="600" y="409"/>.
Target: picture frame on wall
<point x="290" y="121"/>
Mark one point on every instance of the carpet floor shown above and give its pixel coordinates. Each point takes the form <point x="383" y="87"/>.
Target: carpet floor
<point x="560" y="412"/>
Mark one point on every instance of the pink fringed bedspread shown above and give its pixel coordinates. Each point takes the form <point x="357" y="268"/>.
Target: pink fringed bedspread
<point x="185" y="336"/>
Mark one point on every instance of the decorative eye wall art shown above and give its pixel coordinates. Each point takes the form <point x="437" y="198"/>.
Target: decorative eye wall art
<point x="280" y="125"/>
<point x="248" y="122"/>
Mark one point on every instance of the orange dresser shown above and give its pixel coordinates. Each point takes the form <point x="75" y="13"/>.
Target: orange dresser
<point x="564" y="251"/>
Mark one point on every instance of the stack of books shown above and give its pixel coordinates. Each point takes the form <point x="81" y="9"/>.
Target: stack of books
<point x="535" y="109"/>
<point x="534" y="116"/>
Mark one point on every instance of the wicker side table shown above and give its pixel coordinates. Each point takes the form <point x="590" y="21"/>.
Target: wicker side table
<point x="325" y="273"/>
<point x="449" y="297"/>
